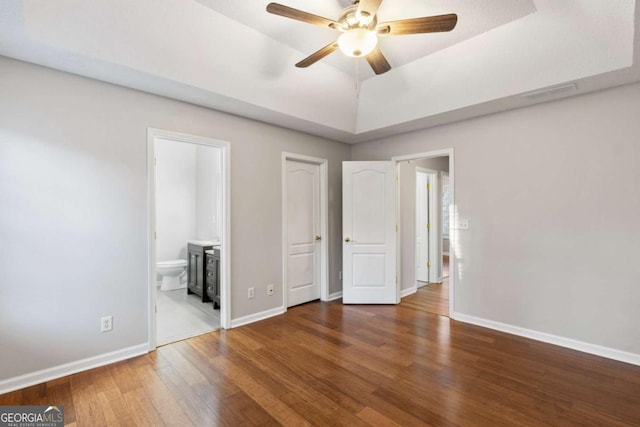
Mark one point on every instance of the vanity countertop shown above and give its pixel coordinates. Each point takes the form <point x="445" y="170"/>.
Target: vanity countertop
<point x="203" y="242"/>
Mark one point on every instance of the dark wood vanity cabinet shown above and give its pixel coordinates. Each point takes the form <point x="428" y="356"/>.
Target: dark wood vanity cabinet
<point x="196" y="271"/>
<point x="213" y="276"/>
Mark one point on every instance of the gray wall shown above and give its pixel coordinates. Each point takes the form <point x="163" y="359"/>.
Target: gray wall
<point x="73" y="223"/>
<point x="551" y="194"/>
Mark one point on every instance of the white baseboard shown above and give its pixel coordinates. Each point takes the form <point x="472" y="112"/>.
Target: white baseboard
<point x="60" y="371"/>
<point x="407" y="292"/>
<point x="334" y="296"/>
<point x="245" y="320"/>
<point x="609" y="353"/>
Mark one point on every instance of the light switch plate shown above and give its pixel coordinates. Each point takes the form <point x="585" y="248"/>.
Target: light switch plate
<point x="463" y="224"/>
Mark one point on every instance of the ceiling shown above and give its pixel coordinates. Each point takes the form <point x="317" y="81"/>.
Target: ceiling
<point x="232" y="56"/>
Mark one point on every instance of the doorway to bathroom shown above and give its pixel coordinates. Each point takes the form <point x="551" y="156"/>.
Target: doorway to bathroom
<point x="188" y="236"/>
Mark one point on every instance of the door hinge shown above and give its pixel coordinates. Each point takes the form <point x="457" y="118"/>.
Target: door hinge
<point x="396" y="177"/>
<point x="428" y="226"/>
<point x="428" y="186"/>
<point x="155" y="162"/>
<point x="396" y="280"/>
<point x="155" y="235"/>
<point x="396" y="228"/>
<point x="428" y="264"/>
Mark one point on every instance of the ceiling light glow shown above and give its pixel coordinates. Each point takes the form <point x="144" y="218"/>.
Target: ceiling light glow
<point x="357" y="42"/>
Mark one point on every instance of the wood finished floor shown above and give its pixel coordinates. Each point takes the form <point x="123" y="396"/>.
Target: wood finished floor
<point x="434" y="297"/>
<point x="334" y="364"/>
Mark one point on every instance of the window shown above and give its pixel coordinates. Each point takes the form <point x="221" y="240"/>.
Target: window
<point x="445" y="204"/>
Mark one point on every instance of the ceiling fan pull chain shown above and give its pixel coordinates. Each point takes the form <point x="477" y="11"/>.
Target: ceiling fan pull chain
<point x="357" y="80"/>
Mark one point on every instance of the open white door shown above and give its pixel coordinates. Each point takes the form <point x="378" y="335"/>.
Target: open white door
<point x="422" y="227"/>
<point x="369" y="233"/>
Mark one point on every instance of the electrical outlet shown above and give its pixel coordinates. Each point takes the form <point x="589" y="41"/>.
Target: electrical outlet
<point x="251" y="293"/>
<point x="106" y="324"/>
<point x="270" y="289"/>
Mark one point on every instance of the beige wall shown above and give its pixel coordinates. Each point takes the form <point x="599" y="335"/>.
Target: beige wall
<point x="551" y="195"/>
<point x="73" y="223"/>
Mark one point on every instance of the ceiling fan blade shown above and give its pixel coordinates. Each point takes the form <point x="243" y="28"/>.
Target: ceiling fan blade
<point x="317" y="56"/>
<point x="299" y="15"/>
<point x="427" y="24"/>
<point x="378" y="62"/>
<point x="368" y="8"/>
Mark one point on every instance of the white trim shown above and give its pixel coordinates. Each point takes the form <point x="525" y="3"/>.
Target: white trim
<point x="255" y="317"/>
<point x="324" y="223"/>
<point x="452" y="217"/>
<point x="435" y="233"/>
<point x="38" y="377"/>
<point x="334" y="296"/>
<point x="408" y="292"/>
<point x="225" y="252"/>
<point x="398" y="234"/>
<point x="609" y="353"/>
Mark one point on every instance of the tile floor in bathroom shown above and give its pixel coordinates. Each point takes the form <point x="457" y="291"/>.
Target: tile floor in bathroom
<point x="182" y="316"/>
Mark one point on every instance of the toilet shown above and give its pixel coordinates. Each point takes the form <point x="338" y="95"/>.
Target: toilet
<point x="172" y="272"/>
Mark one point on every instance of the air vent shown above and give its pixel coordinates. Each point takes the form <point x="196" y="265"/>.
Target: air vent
<point x="549" y="92"/>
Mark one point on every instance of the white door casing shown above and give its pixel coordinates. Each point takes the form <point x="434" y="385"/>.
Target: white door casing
<point x="369" y="233"/>
<point x="422" y="227"/>
<point x="303" y="232"/>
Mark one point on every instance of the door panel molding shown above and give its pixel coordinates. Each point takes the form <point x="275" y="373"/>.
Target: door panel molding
<point x="369" y="199"/>
<point x="324" y="225"/>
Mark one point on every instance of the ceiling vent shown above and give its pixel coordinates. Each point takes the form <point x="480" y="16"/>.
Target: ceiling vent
<point x="549" y="92"/>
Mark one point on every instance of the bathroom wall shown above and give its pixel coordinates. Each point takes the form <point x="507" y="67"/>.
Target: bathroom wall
<point x="176" y="198"/>
<point x="208" y="192"/>
<point x="188" y="190"/>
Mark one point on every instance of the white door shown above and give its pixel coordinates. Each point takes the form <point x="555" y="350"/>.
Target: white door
<point x="303" y="232"/>
<point x="369" y="233"/>
<point x="422" y="226"/>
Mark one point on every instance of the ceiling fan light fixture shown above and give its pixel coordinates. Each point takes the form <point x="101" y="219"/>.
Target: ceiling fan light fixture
<point x="357" y="42"/>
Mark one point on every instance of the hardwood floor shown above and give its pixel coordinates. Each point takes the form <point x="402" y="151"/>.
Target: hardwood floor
<point x="434" y="297"/>
<point x="334" y="364"/>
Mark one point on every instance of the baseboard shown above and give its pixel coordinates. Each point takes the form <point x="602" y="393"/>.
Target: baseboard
<point x="334" y="296"/>
<point x="609" y="353"/>
<point x="245" y="320"/>
<point x="407" y="292"/>
<point x="60" y="371"/>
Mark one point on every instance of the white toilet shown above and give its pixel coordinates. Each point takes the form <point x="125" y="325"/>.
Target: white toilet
<point x="172" y="272"/>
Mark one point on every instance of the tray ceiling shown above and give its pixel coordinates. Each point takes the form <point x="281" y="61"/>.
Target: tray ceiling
<point x="232" y="56"/>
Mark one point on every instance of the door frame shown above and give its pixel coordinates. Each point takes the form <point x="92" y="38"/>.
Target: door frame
<point x="324" y="224"/>
<point x="452" y="218"/>
<point x="435" y="232"/>
<point x="225" y="239"/>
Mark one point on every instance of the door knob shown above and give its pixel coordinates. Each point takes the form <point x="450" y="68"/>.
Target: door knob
<point x="347" y="239"/>
<point x="318" y="238"/>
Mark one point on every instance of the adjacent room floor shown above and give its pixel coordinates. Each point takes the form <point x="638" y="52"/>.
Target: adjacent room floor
<point x="434" y="297"/>
<point x="182" y="316"/>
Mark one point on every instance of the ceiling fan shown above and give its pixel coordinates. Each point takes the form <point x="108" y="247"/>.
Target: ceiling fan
<point x="359" y="26"/>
